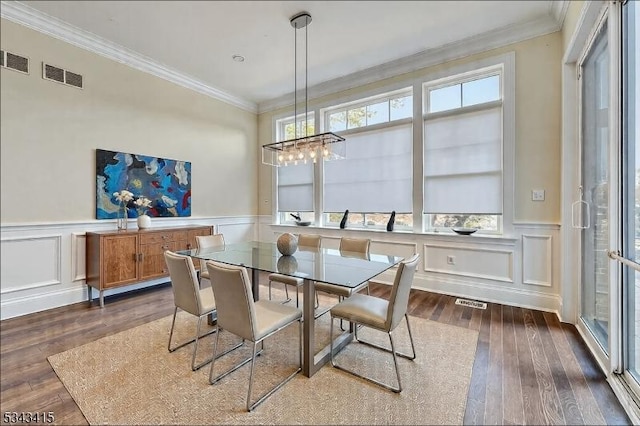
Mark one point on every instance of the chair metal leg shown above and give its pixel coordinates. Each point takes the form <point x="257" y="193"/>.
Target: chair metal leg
<point x="251" y="359"/>
<point x="185" y="343"/>
<point x="195" y="348"/>
<point x="395" y="363"/>
<point x="373" y="345"/>
<point x="216" y="356"/>
<point x="253" y="363"/>
<point x="393" y="352"/>
<point x="286" y="292"/>
<point x="250" y="406"/>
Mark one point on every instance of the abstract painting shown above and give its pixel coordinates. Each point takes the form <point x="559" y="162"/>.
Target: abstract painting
<point x="167" y="183"/>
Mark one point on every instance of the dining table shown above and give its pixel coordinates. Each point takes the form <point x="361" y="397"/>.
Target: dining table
<point x="313" y="265"/>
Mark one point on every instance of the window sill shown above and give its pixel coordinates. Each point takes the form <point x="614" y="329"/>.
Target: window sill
<point x="449" y="236"/>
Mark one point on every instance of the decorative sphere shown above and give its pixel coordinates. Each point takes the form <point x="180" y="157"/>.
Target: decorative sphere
<point x="287" y="265"/>
<point x="287" y="244"/>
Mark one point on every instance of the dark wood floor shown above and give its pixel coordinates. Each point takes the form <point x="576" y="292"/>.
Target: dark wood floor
<point x="529" y="368"/>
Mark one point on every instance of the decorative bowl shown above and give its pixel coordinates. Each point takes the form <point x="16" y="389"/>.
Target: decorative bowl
<point x="303" y="223"/>
<point x="464" y="231"/>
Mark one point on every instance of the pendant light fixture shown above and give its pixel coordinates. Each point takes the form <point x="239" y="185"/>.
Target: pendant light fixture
<point x="303" y="147"/>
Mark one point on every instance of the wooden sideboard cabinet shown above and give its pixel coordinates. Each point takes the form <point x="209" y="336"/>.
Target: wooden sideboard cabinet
<point x="120" y="258"/>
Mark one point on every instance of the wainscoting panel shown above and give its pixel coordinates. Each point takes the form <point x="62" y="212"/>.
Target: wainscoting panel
<point x="490" y="264"/>
<point x="31" y="262"/>
<point x="43" y="264"/>
<point x="78" y="256"/>
<point x="537" y="257"/>
<point x="394" y="248"/>
<point x="487" y="268"/>
<point x="237" y="232"/>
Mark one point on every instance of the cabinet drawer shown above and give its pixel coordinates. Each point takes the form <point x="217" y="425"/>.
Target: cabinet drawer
<point x="157" y="238"/>
<point x="180" y="236"/>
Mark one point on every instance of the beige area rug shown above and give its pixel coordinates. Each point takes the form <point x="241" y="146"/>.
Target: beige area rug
<point x="131" y="378"/>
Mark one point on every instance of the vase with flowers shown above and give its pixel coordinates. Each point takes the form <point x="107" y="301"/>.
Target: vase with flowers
<point x="123" y="197"/>
<point x="142" y="204"/>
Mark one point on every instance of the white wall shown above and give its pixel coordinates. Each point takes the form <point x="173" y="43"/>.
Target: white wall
<point x="49" y="134"/>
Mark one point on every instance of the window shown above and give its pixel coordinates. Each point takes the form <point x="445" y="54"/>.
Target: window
<point x="367" y="113"/>
<point x="463" y="151"/>
<point x="295" y="181"/>
<point x="376" y="177"/>
<point x="466" y="148"/>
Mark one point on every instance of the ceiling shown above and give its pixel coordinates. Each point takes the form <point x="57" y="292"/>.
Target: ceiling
<point x="197" y="39"/>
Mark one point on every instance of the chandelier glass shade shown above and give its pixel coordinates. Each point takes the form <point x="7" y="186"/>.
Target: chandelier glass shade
<point x="303" y="148"/>
<point x="327" y="146"/>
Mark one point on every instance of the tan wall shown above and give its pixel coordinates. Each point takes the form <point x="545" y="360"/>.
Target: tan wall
<point x="50" y="133"/>
<point x="538" y="118"/>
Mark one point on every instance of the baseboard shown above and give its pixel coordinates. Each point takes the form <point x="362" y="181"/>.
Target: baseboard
<point x="476" y="290"/>
<point x="41" y="302"/>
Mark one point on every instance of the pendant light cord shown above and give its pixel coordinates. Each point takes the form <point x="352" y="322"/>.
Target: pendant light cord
<point x="306" y="75"/>
<point x="295" y="81"/>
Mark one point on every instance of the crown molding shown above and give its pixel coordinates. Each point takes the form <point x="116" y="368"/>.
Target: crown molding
<point x="41" y="22"/>
<point x="558" y="10"/>
<point x="438" y="55"/>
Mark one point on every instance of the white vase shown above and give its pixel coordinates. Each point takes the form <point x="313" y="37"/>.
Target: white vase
<point x="144" y="221"/>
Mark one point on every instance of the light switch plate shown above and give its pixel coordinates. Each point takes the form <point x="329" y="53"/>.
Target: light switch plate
<point x="537" y="195"/>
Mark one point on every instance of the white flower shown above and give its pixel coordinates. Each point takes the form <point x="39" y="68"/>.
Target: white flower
<point x="123" y="196"/>
<point x="142" y="203"/>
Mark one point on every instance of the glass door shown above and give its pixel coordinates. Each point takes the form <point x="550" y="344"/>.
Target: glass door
<point x="595" y="175"/>
<point x="630" y="194"/>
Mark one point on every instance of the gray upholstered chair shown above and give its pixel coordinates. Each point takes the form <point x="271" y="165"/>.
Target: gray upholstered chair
<point x="304" y="242"/>
<point x="349" y="247"/>
<point x="205" y="242"/>
<point x="253" y="321"/>
<point x="380" y="314"/>
<point x="189" y="297"/>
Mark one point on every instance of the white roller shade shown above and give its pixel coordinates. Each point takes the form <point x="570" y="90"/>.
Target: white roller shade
<point x="376" y="176"/>
<point x="295" y="188"/>
<point x="463" y="163"/>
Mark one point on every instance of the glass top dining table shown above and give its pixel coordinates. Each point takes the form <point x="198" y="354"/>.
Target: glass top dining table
<point x="347" y="269"/>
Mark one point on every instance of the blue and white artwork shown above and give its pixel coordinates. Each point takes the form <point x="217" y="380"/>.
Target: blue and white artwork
<point x="167" y="183"/>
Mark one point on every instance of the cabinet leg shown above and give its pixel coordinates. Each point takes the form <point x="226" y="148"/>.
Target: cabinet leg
<point x="101" y="298"/>
<point x="90" y="294"/>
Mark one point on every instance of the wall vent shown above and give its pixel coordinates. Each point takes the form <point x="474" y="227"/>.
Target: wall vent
<point x="471" y="303"/>
<point x="14" y="62"/>
<point x="60" y="75"/>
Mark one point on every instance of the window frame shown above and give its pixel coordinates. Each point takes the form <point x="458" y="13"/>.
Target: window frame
<point x="326" y="113"/>
<point x="454" y="80"/>
<point x="415" y="86"/>
<point x="279" y="125"/>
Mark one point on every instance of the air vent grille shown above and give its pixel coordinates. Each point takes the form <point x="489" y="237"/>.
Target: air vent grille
<point x="471" y="303"/>
<point x="60" y="75"/>
<point x="73" y="79"/>
<point x="14" y="62"/>
<point x="54" y="73"/>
